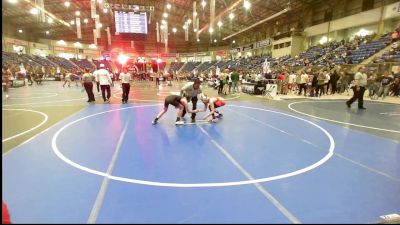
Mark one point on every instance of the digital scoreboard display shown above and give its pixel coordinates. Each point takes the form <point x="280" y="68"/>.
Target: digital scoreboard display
<point x="130" y="22"/>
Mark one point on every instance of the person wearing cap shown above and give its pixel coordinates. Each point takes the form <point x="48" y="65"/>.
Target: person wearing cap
<point x="104" y="78"/>
<point x="179" y="102"/>
<point x="190" y="90"/>
<point x="212" y="103"/>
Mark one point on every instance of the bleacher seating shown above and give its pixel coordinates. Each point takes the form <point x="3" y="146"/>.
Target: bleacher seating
<point x="189" y="67"/>
<point x="62" y="62"/>
<point x="83" y="63"/>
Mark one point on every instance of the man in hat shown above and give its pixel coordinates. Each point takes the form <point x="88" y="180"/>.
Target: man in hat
<point x="104" y="78"/>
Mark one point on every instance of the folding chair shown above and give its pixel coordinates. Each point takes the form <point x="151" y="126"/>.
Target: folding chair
<point x="269" y="88"/>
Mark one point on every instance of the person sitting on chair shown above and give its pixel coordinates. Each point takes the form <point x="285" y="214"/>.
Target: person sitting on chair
<point x="212" y="103"/>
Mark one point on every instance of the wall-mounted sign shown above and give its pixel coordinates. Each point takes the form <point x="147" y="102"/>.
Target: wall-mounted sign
<point x="248" y="47"/>
<point x="263" y="43"/>
<point x="128" y="7"/>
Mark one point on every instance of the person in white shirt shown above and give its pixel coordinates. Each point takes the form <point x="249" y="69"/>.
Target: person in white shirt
<point x="292" y="81"/>
<point x="125" y="78"/>
<point x="104" y="78"/>
<point x="327" y="82"/>
<point x="360" y="81"/>
<point x="303" y="82"/>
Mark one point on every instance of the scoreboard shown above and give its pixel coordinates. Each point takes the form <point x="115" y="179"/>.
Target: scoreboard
<point x="130" y="22"/>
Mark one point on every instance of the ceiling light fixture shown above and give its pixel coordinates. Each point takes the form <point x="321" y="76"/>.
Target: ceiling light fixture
<point x="34" y="11"/>
<point x="169" y="6"/>
<point x="67" y="4"/>
<point x="246" y="4"/>
<point x="203" y="4"/>
<point x="231" y="16"/>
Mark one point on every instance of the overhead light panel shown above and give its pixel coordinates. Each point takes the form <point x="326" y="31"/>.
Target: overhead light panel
<point x="219" y="24"/>
<point x="34" y="11"/>
<point x="105" y="10"/>
<point x="77" y="44"/>
<point x="203" y="4"/>
<point x="50" y="20"/>
<point x="72" y="22"/>
<point x="231" y="16"/>
<point x="174" y="30"/>
<point x="67" y="4"/>
<point x="47" y="32"/>
<point x="61" y="42"/>
<point x="246" y="4"/>
<point x="165" y="15"/>
<point x="12" y="1"/>
<point x="169" y="6"/>
<point x="77" y="13"/>
<point x="85" y="20"/>
<point x="20" y="31"/>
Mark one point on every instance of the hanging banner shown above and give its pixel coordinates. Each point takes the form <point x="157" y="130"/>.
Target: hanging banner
<point x="162" y="33"/>
<point x="194" y="15"/>
<point x="97" y="25"/>
<point x="42" y="13"/>
<point x="78" y="28"/>
<point x="108" y="35"/>
<point x="93" y="8"/>
<point x="101" y="5"/>
<point x="95" y="37"/>
<point x="158" y="32"/>
<point x="212" y="13"/>
<point x="186" y="32"/>
<point x="166" y="37"/>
